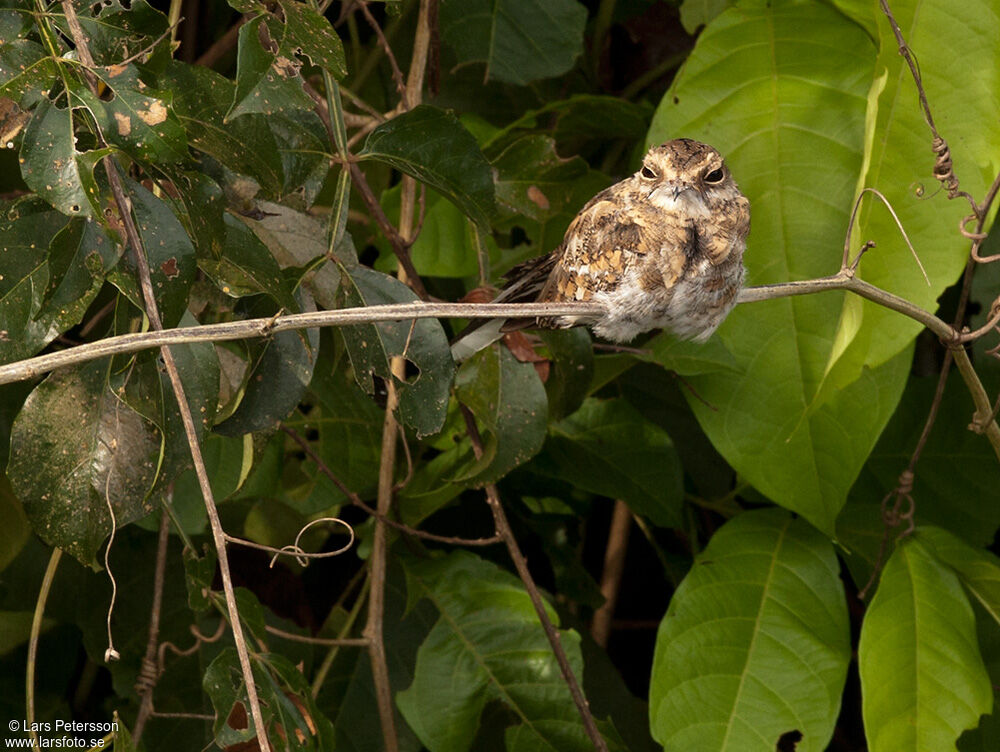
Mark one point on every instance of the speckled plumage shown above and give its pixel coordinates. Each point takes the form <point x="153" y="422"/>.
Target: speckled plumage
<point x="661" y="249"/>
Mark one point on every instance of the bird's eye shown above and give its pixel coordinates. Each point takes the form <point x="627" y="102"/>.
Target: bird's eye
<point x="647" y="173"/>
<point x="715" y="176"/>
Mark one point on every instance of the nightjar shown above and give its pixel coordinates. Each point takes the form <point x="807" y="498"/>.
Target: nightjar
<point x="661" y="249"/>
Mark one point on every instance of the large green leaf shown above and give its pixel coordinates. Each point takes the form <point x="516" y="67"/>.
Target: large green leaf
<point x="519" y="40"/>
<point x="487" y="645"/>
<point x="75" y="446"/>
<point x="899" y="162"/>
<point x="607" y="447"/>
<point x="434" y="147"/>
<point x="922" y="678"/>
<point x="309" y="34"/>
<point x="508" y="400"/>
<point x="755" y="643"/>
<point x="788" y="113"/>
<point x="25" y="68"/>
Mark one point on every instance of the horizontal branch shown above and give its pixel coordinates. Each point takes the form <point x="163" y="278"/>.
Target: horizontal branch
<point x="231" y="330"/>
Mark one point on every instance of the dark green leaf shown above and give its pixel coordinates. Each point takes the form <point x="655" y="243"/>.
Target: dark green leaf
<point x="201" y="208"/>
<point x="27" y="227"/>
<point x="170" y="254"/>
<point x="423" y="398"/>
<point x="246" y="145"/>
<point x="266" y="80"/>
<point x="922" y="678"/>
<point x="25" y="68"/>
<point x="755" y="642"/>
<point x="135" y="117"/>
<point x="978" y="569"/>
<point x="434" y="147"/>
<point x="75" y="448"/>
<point x="534" y="181"/>
<point x="310" y="34"/>
<point x="519" y="40"/>
<point x="14" y="23"/>
<point x="304" y="146"/>
<point x="487" y="645"/>
<point x="281" y="368"/>
<point x="246" y="267"/>
<point x="607" y="447"/>
<point x="118" y="31"/>
<point x="572" y="368"/>
<point x="51" y="165"/>
<point x="199" y="573"/>
<point x="508" y="400"/>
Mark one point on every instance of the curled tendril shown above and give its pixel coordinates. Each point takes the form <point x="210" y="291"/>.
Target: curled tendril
<point x="302" y="557"/>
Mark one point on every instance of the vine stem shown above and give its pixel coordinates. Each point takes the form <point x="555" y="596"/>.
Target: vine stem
<point x="36" y="631"/>
<point x="611" y="577"/>
<point x="153" y="314"/>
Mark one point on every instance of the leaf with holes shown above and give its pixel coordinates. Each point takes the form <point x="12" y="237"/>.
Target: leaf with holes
<point x="75" y="448"/>
<point x="135" y="117"/>
<point x="489" y="638"/>
<point x="755" y="644"/>
<point x="509" y="403"/>
<point x="922" y="677"/>
<point x="308" y="33"/>
<point x="423" y="397"/>
<point x="118" y="30"/>
<point x="267" y="80"/>
<point x="519" y="40"/>
<point x="434" y="147"/>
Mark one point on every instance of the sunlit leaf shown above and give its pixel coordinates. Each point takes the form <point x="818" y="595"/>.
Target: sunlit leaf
<point x="755" y="643"/>
<point x="922" y="678"/>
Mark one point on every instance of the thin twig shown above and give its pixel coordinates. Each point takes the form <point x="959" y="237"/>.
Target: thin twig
<point x="397" y="74"/>
<point x="36" y="631"/>
<point x="611" y="577"/>
<point x="357" y="642"/>
<point x="521" y="565"/>
<point x="359" y="502"/>
<point x="373" y="630"/>
<point x="152" y="313"/>
<point x="148" y="673"/>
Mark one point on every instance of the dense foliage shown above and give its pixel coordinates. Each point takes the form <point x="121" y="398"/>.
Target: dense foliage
<point x="285" y="157"/>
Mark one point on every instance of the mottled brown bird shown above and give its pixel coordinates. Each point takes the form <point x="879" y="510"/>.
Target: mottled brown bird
<point x="661" y="249"/>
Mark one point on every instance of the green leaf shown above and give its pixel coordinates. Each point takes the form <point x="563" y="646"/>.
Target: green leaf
<point x="313" y="36"/>
<point x="607" y="447"/>
<point x="117" y="31"/>
<point x="445" y="245"/>
<point x="535" y="182"/>
<point x="899" y="162"/>
<point x="245" y="145"/>
<point x="571" y="369"/>
<point x="978" y="569"/>
<point x="922" y="678"/>
<point x="169" y="252"/>
<point x="280" y="370"/>
<point x="435" y="148"/>
<point x="487" y="645"/>
<point x="134" y="116"/>
<point x="755" y="643"/>
<point x="266" y="80"/>
<point x="423" y="399"/>
<point x="246" y="267"/>
<point x="519" y="40"/>
<point x="75" y="448"/>
<point x="508" y="400"/>
<point x="697" y="13"/>
<point x="25" y="68"/>
<point x="798" y="166"/>
<point x="304" y="147"/>
<point x="51" y="165"/>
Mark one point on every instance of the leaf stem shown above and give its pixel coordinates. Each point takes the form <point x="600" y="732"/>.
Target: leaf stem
<point x="36" y="631"/>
